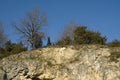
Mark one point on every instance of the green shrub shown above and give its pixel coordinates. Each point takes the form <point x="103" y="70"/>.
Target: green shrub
<point x="84" y="36"/>
<point x="114" y="43"/>
<point x="11" y="48"/>
<point x="81" y="35"/>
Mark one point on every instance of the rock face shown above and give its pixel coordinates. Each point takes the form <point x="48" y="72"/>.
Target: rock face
<point x="65" y="63"/>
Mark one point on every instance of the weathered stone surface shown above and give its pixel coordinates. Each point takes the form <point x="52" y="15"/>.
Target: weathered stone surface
<point x="65" y="63"/>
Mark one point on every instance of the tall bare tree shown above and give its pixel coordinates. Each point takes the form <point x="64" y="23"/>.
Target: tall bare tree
<point x="30" y="27"/>
<point x="2" y="35"/>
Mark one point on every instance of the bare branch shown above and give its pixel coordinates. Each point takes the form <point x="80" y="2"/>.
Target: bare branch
<point x="30" y="26"/>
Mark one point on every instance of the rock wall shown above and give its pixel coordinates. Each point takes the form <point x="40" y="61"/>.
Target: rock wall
<point x="65" y="63"/>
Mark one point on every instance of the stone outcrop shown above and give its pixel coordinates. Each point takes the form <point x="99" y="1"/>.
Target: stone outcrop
<point x="88" y="62"/>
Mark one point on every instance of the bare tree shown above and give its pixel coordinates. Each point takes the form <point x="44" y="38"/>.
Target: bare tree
<point x="2" y="35"/>
<point x="67" y="35"/>
<point x="68" y="30"/>
<point x="30" y="27"/>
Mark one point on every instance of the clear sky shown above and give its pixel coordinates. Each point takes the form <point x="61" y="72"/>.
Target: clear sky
<point x="98" y="15"/>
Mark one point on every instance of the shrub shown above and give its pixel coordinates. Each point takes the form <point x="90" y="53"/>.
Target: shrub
<point x="81" y="35"/>
<point x="84" y="36"/>
<point x="114" y="43"/>
<point x="11" y="48"/>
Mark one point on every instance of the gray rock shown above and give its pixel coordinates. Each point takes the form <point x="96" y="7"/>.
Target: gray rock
<point x="67" y="63"/>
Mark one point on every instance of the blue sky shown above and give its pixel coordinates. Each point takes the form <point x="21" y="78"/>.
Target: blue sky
<point x="98" y="15"/>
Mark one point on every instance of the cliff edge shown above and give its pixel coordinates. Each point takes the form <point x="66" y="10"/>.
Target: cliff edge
<point x="89" y="62"/>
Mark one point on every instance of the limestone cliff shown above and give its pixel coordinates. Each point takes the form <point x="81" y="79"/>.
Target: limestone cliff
<point x="88" y="62"/>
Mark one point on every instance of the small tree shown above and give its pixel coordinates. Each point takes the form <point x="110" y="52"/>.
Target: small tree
<point x="48" y="41"/>
<point x="8" y="46"/>
<point x="30" y="28"/>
